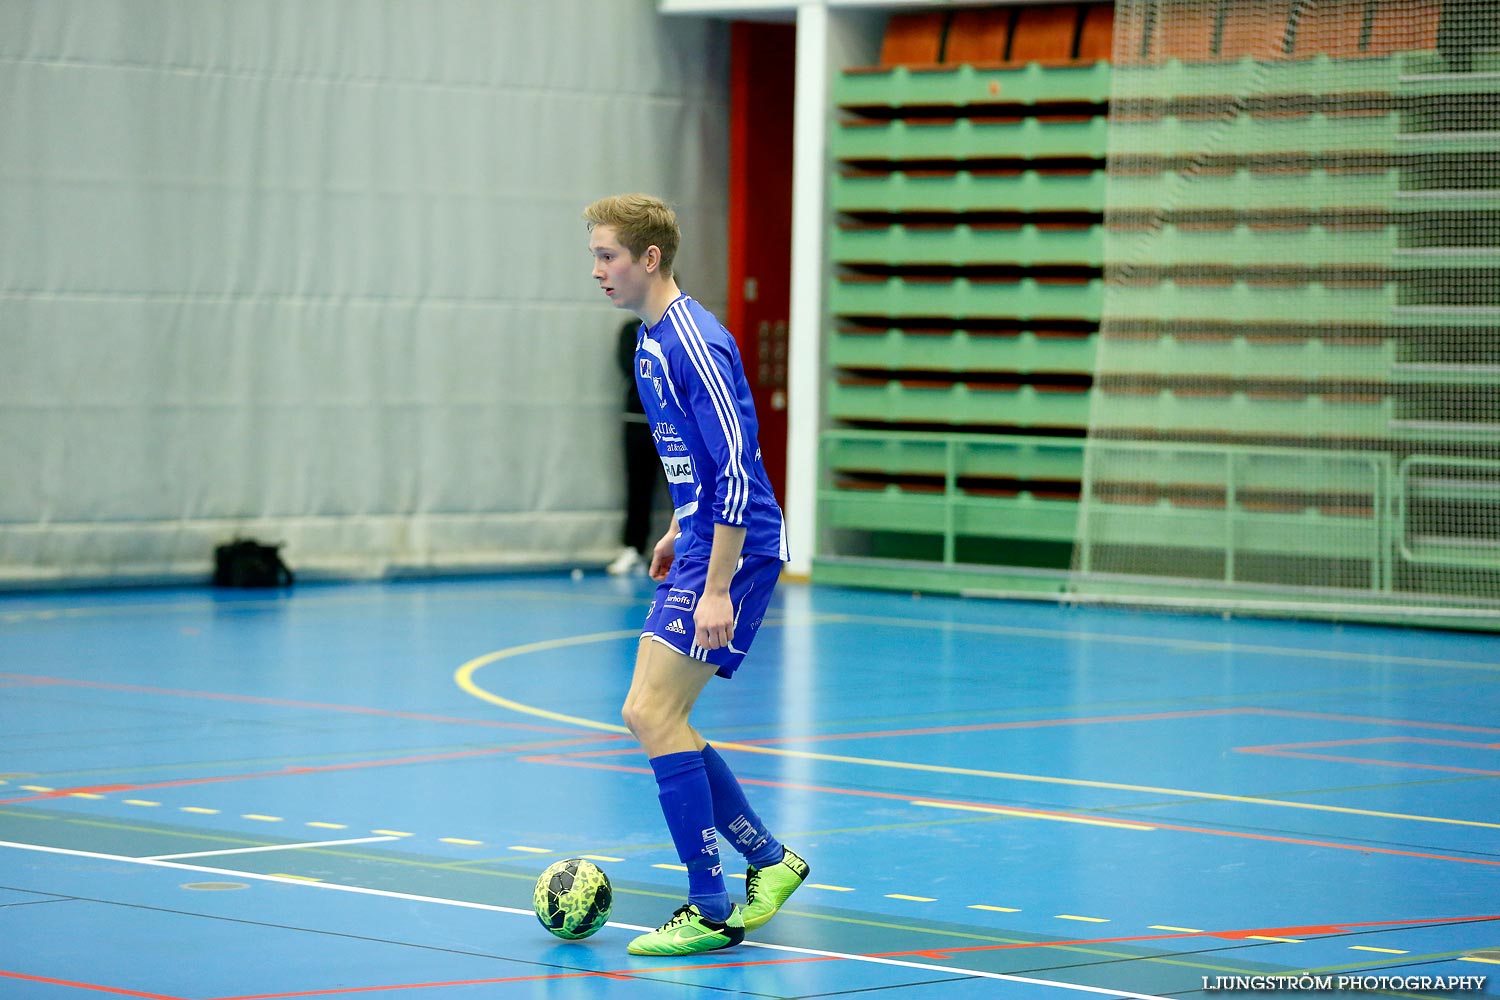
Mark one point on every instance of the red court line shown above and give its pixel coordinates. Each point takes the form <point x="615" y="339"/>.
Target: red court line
<point x="620" y="974"/>
<point x="87" y="986"/>
<point x="1374" y="720"/>
<point x="935" y="954"/>
<point x="293" y="771"/>
<point x="990" y="726"/>
<point x="1315" y="930"/>
<point x="283" y="703"/>
<point x="1336" y="759"/>
<point x="1293" y="750"/>
<point x="1367" y="741"/>
<point x="575" y="761"/>
<point x="1110" y="719"/>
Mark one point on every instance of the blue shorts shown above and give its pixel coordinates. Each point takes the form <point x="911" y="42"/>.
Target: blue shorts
<point x="670" y="620"/>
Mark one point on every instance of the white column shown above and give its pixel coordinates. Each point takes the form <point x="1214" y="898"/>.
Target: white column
<point x="805" y="331"/>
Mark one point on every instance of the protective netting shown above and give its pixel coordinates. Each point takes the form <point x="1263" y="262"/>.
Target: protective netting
<point x="1297" y="393"/>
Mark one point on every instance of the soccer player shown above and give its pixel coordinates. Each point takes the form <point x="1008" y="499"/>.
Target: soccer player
<point x="716" y="567"/>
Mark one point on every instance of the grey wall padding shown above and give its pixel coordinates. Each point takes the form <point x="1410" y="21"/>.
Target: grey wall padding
<point x="314" y="271"/>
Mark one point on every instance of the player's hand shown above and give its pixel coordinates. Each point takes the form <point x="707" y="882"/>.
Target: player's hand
<point x="662" y="556"/>
<point x="714" y="620"/>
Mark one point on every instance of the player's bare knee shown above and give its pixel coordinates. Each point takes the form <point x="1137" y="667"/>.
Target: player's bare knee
<point x="651" y="722"/>
<point x="639" y="717"/>
<point x="630" y="716"/>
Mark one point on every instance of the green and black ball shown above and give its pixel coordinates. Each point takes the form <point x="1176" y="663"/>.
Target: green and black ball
<point x="573" y="898"/>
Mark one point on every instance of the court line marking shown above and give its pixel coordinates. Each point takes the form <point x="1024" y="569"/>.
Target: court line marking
<point x="1197" y="713"/>
<point x="1030" y="814"/>
<point x="95" y="987"/>
<point x="293" y="771"/>
<point x="1322" y="932"/>
<point x="1111" y="785"/>
<point x="31" y="615"/>
<point x="1201" y="645"/>
<point x="40" y="681"/>
<point x="1298" y="750"/>
<point x="495" y="908"/>
<point x="464" y="677"/>
<point x="268" y="847"/>
<point x="575" y="760"/>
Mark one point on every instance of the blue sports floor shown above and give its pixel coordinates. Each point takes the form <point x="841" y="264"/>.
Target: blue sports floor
<point x="349" y="791"/>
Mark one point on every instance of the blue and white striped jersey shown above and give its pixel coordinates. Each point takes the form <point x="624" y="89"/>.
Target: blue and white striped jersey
<point x="692" y="384"/>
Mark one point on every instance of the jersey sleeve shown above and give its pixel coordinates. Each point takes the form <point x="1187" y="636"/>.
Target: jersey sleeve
<point x="706" y="369"/>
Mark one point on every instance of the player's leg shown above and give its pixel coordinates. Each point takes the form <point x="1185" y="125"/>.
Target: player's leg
<point x="662" y="693"/>
<point x="774" y="871"/>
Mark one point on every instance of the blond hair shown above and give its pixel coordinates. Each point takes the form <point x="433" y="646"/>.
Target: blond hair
<point x="639" y="221"/>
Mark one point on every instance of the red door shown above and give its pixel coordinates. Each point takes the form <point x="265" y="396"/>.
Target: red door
<point x="762" y="71"/>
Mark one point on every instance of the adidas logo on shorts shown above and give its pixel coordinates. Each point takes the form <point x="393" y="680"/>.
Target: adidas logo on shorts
<point x="676" y="626"/>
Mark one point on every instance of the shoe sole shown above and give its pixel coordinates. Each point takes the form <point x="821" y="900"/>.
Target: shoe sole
<point x="718" y="945"/>
<point x="727" y="938"/>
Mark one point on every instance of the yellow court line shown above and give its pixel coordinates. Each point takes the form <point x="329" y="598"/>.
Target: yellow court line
<point x="464" y="677"/>
<point x="1025" y="814"/>
<point x="1378" y="951"/>
<point x="1085" y="783"/>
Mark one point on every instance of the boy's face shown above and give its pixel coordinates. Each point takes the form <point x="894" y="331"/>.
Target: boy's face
<point x="623" y="277"/>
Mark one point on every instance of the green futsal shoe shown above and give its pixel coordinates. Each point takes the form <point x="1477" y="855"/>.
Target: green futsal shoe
<point x="689" y="932"/>
<point x="766" y="889"/>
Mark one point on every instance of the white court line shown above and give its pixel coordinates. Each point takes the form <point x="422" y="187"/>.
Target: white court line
<point x="268" y="847"/>
<point x="871" y="959"/>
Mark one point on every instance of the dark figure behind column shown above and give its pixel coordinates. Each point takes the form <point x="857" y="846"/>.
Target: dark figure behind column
<point x="642" y="467"/>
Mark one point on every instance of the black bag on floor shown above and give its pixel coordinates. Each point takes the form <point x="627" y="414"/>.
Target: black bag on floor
<point x="245" y="562"/>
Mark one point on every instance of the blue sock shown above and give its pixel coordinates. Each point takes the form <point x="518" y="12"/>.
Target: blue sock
<point x="687" y="804"/>
<point x="733" y="815"/>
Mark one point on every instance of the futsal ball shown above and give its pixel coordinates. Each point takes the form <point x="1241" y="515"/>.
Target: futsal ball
<point x="572" y="898"/>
